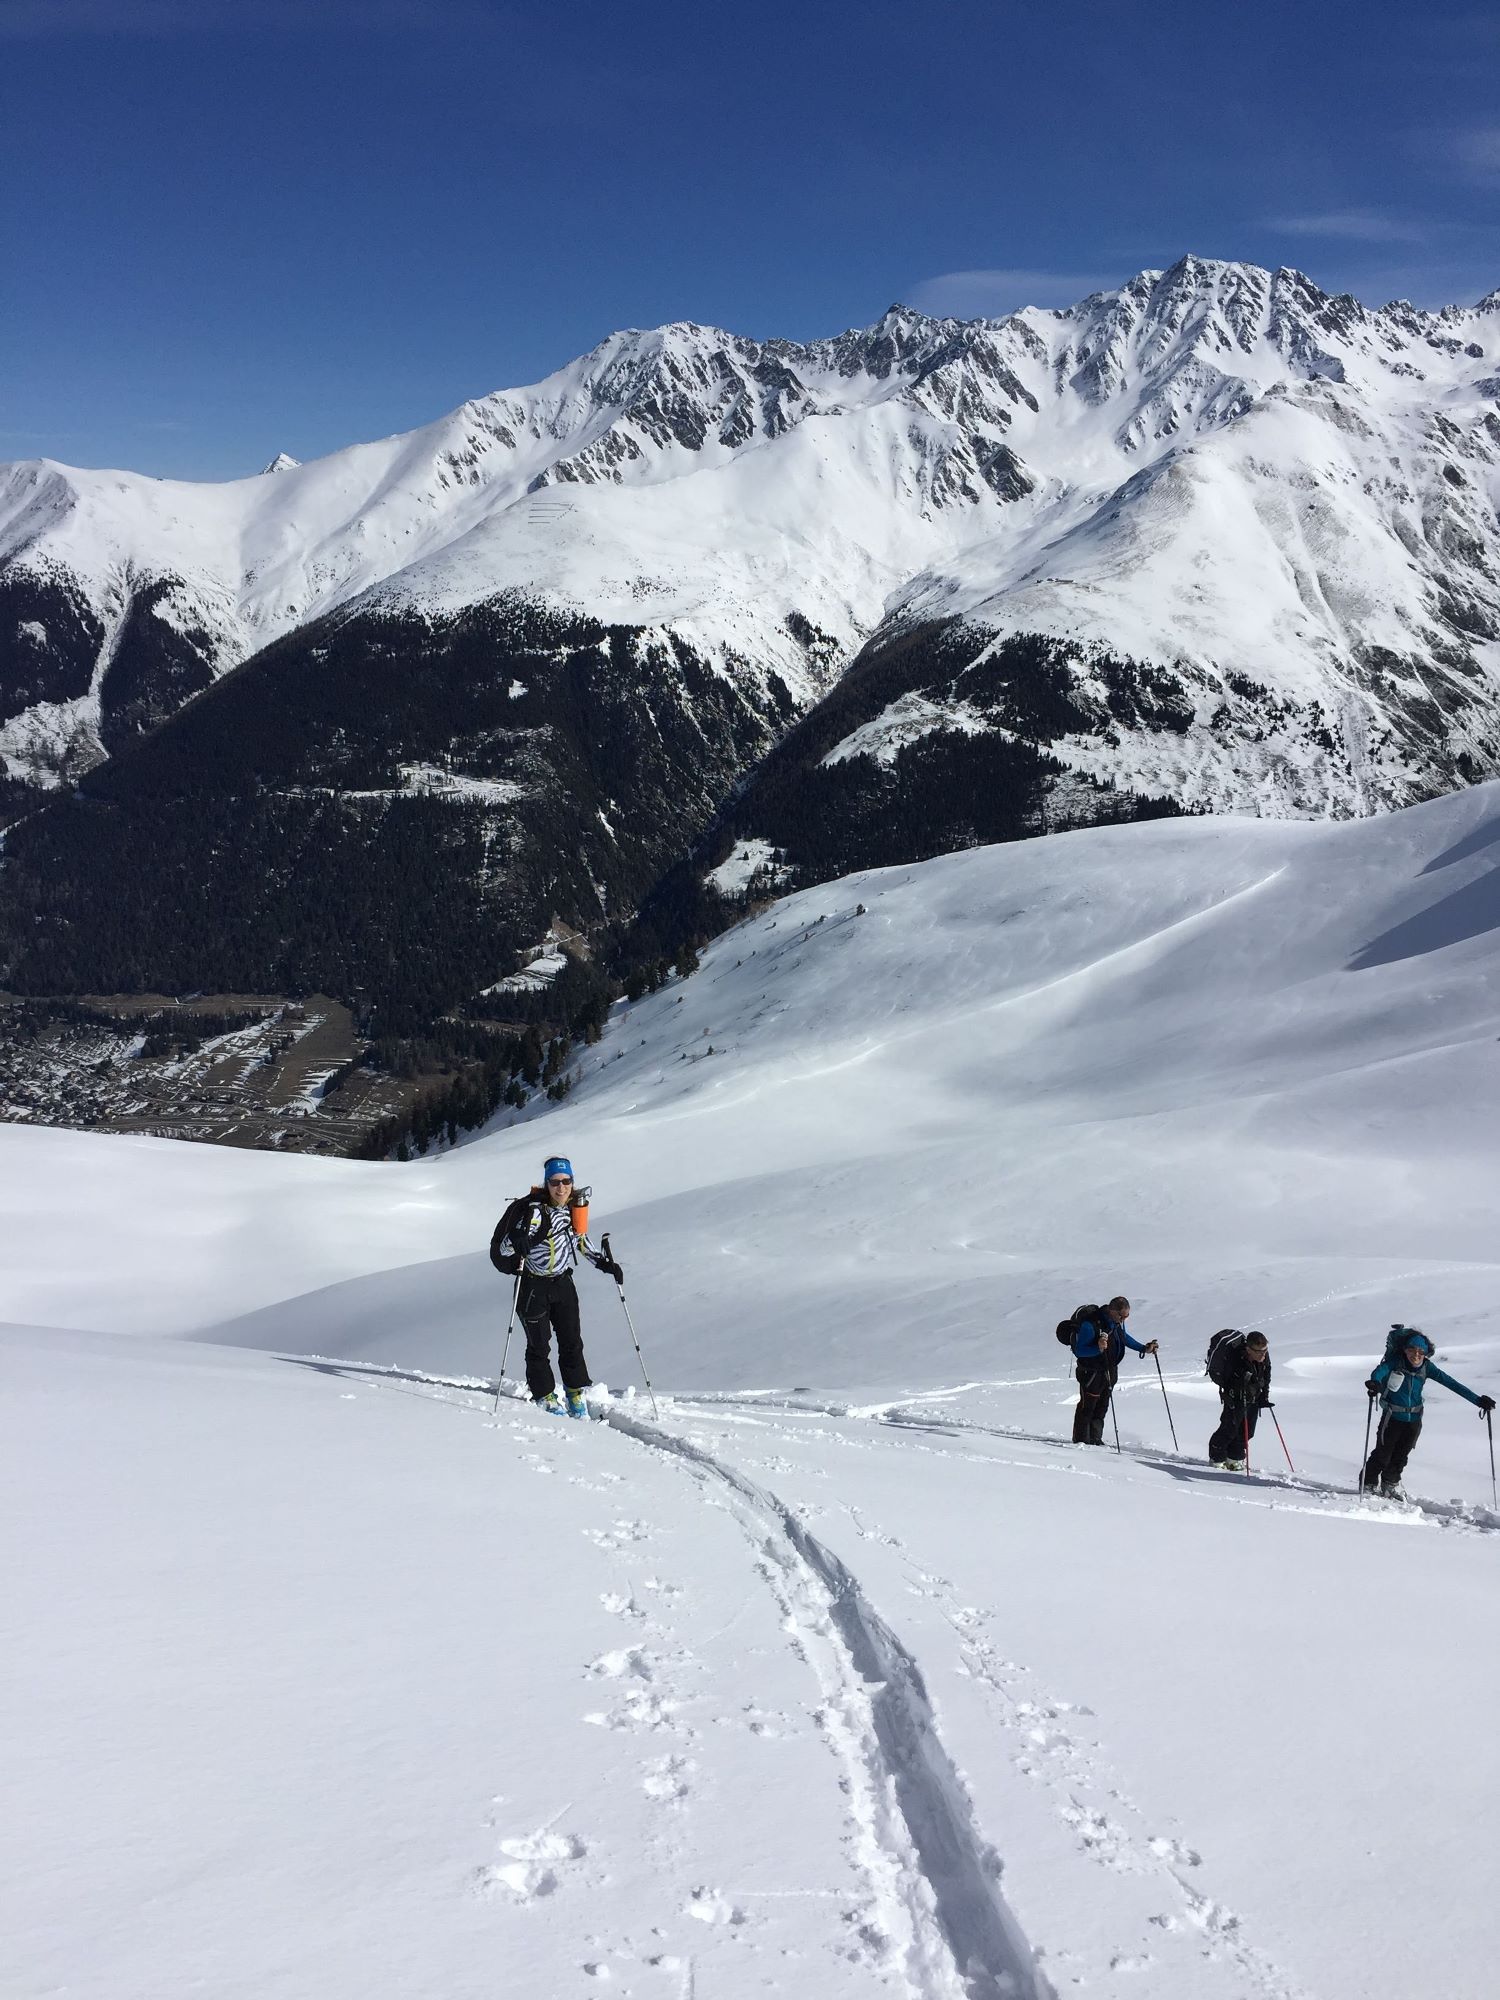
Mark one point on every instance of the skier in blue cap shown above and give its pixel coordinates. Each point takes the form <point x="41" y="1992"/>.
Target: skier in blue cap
<point x="541" y="1237"/>
<point x="1398" y="1382"/>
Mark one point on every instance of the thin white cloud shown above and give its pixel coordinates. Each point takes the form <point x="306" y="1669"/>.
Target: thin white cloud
<point x="991" y="294"/>
<point x="1352" y="225"/>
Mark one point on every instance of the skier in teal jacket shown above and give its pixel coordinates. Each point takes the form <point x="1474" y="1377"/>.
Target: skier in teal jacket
<point x="1398" y="1382"/>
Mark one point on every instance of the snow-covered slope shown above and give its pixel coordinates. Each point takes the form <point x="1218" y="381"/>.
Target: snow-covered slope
<point x="335" y="1677"/>
<point x="1286" y="501"/>
<point x="1221" y="1055"/>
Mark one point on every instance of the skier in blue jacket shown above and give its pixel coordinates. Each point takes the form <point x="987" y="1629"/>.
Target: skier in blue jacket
<point x="1399" y="1382"/>
<point x="1099" y="1347"/>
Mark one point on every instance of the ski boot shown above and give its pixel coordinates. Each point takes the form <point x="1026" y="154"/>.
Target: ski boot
<point x="1231" y="1465"/>
<point x="549" y="1403"/>
<point x="577" y="1403"/>
<point x="1394" y="1490"/>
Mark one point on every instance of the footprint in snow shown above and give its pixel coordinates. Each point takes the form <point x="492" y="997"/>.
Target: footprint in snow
<point x="630" y="1662"/>
<point x="1100" y="1837"/>
<point x="621" y="1604"/>
<point x="530" y="1870"/>
<point x="667" y="1778"/>
<point x="760" y="1722"/>
<point x="1176" y="1851"/>
<point x="710" y="1907"/>
<point x="641" y="1709"/>
<point x="545" y="1846"/>
<point x="619" y="1535"/>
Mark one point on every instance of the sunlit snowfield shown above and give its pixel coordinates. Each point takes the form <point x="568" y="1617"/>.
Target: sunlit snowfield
<point x="844" y="1675"/>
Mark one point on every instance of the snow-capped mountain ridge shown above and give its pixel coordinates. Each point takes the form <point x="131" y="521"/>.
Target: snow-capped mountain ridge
<point x="687" y="480"/>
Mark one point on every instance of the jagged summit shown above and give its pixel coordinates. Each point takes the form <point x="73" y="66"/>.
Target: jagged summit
<point x="282" y="462"/>
<point x="1214" y="461"/>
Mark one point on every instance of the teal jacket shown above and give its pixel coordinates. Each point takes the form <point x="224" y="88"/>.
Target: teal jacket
<point x="1401" y="1388"/>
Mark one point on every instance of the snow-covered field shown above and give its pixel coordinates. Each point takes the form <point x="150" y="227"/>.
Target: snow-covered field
<point x="844" y="1675"/>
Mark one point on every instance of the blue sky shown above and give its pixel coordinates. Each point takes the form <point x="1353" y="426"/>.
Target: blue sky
<point x="232" y="227"/>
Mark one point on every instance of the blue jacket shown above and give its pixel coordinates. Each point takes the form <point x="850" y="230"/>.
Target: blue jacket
<point x="1105" y="1342"/>
<point x="1403" y="1389"/>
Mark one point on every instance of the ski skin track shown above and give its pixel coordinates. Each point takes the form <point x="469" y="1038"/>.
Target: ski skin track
<point x="917" y="1843"/>
<point x="924" y="1845"/>
<point x="896" y="1416"/>
<point x="955" y="1885"/>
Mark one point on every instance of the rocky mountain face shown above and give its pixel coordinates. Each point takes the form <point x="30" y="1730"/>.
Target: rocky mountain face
<point x="1215" y="539"/>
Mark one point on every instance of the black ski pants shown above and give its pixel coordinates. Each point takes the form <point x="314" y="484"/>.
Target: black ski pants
<point x="1393" y="1443"/>
<point x="1228" y="1441"/>
<point x="1096" y="1381"/>
<point x="548" y="1306"/>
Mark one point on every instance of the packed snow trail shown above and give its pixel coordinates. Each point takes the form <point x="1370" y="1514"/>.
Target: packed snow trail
<point x="401" y="1696"/>
<point x="1181" y="1672"/>
<point x="879" y="1715"/>
<point x="1182" y="1465"/>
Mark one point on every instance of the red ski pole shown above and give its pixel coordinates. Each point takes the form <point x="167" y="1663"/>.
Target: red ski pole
<point x="1247" y="1443"/>
<point x="1277" y="1421"/>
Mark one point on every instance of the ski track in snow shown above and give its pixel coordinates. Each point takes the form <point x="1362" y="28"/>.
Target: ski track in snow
<point x="937" y="1912"/>
<point x="1460" y="1515"/>
<point x="1108" y="1827"/>
<point x="936" y="1920"/>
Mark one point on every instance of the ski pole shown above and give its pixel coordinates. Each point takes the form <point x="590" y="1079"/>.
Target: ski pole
<point x="1489" y="1424"/>
<point x="505" y="1350"/>
<point x="1369" y="1418"/>
<point x="1112" y="1417"/>
<point x="1163" y="1381"/>
<point x="1277" y="1421"/>
<point x="1246" y="1422"/>
<point x="620" y="1287"/>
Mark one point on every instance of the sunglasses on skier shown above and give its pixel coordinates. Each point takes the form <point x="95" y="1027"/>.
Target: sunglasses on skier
<point x="561" y="1180"/>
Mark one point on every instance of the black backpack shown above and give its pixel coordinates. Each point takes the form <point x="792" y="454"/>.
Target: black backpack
<point x="1067" y="1328"/>
<point x="1218" y="1349"/>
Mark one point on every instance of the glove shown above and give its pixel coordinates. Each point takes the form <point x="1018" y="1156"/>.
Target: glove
<point x="1150" y="1347"/>
<point x="610" y="1268"/>
<point x="1265" y="1403"/>
<point x="1372" y="1390"/>
<point x="1486" y="1404"/>
<point x="510" y="1264"/>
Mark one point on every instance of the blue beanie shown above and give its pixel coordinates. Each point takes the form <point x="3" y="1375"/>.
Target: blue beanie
<point x="557" y="1166"/>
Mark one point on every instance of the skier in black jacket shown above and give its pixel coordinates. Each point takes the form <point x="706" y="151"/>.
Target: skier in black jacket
<point x="1240" y="1366"/>
<point x="541" y="1237"/>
